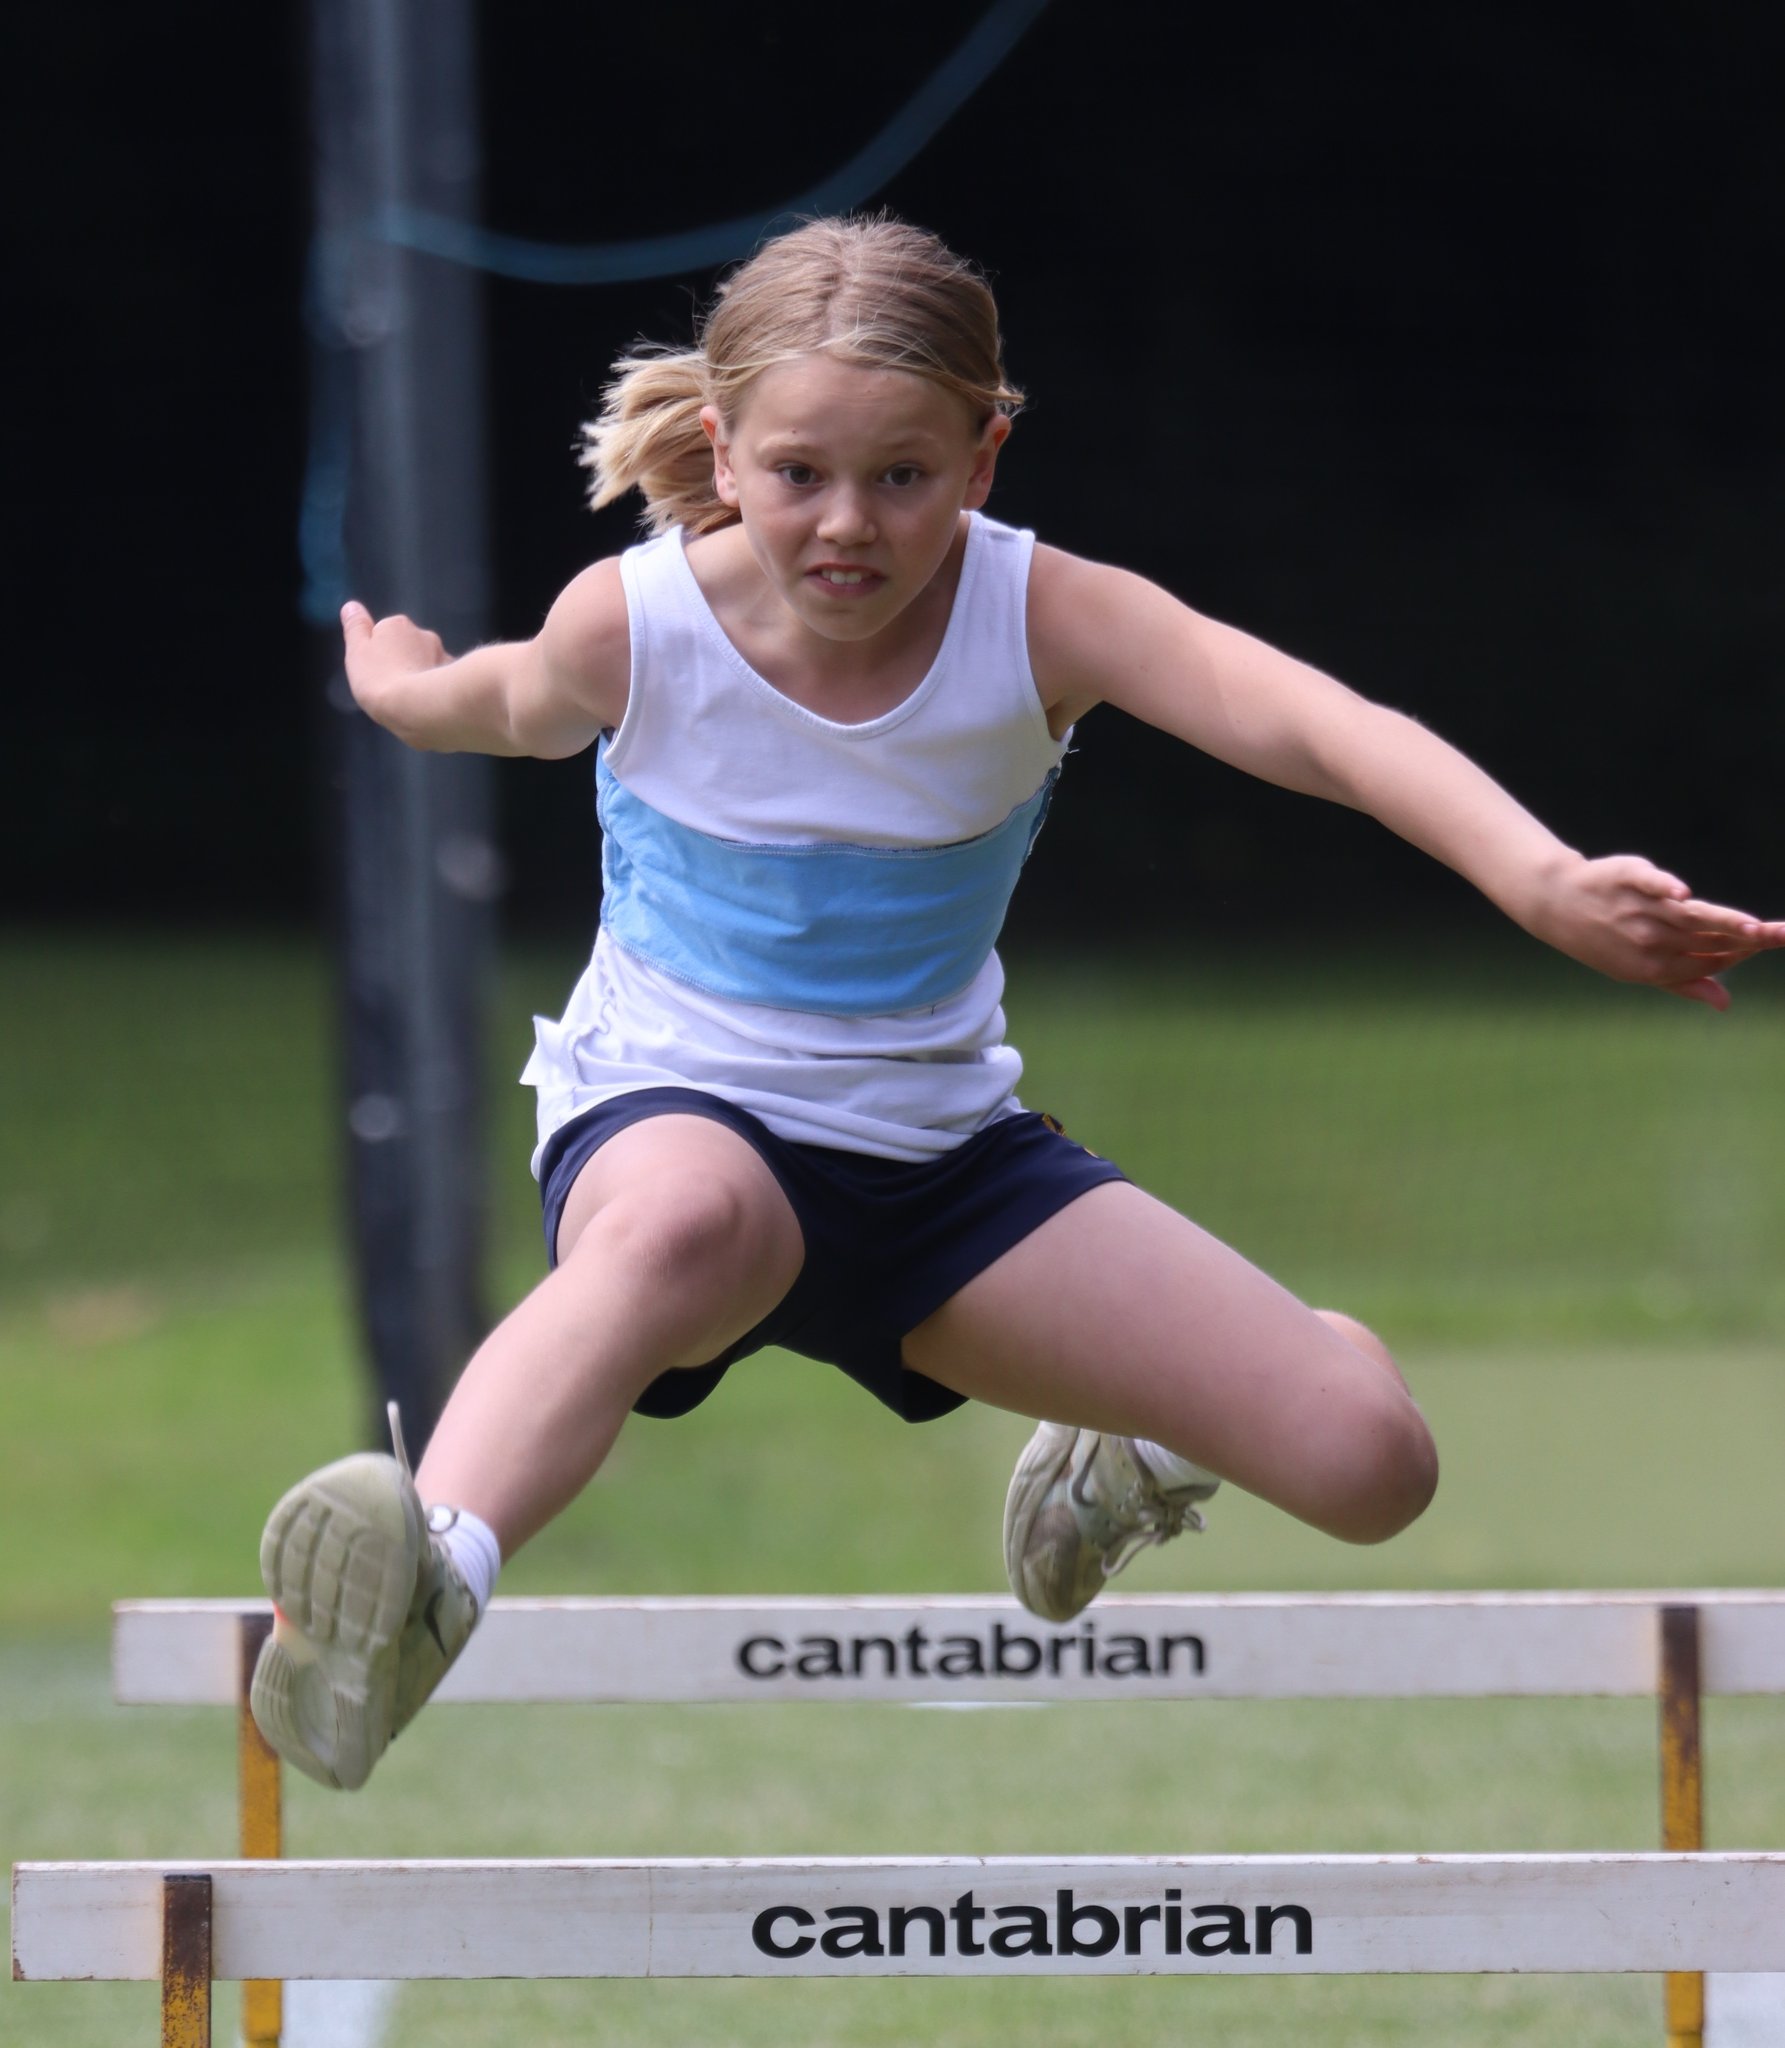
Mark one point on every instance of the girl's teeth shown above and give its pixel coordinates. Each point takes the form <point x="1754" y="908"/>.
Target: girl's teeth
<point x="841" y="575"/>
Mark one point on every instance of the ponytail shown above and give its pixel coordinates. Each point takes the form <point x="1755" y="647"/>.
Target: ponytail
<point x="648" y="437"/>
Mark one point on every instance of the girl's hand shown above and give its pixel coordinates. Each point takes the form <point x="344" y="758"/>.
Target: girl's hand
<point x="381" y="655"/>
<point x="550" y="696"/>
<point x="1634" y="922"/>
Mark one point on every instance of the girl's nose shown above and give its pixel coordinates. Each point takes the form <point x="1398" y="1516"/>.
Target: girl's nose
<point x="846" y="519"/>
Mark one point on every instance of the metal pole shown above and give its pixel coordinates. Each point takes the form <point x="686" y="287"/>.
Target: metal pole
<point x="185" y="1961"/>
<point x="1682" y="1795"/>
<point x="399" y="395"/>
<point x="260" y="1822"/>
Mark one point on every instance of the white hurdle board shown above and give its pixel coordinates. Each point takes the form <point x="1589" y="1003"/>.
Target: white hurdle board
<point x="1229" y="1646"/>
<point x="897" y="1916"/>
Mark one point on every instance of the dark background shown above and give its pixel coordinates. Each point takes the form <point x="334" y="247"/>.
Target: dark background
<point x="1437" y="346"/>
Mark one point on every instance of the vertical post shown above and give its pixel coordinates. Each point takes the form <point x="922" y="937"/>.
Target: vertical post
<point x="1682" y="1795"/>
<point x="261" y="1822"/>
<point x="398" y="397"/>
<point x="186" y="1961"/>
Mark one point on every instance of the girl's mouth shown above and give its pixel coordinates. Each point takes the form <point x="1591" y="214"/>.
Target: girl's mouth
<point x="844" y="578"/>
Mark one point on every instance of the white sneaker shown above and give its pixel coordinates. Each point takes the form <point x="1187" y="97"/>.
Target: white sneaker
<point x="1080" y="1506"/>
<point x="368" y="1615"/>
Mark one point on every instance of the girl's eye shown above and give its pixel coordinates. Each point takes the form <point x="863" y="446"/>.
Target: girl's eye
<point x="798" y="475"/>
<point x="904" y="474"/>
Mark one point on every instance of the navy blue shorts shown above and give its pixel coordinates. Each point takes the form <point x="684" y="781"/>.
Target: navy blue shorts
<point x="887" y="1243"/>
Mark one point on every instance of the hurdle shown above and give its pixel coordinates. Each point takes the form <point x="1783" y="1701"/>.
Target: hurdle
<point x="1675" y="1647"/>
<point x="190" y="1924"/>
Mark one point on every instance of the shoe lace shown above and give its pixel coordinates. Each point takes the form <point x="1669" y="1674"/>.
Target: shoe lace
<point x="1164" y="1520"/>
<point x="1158" y="1516"/>
<point x="399" y="1450"/>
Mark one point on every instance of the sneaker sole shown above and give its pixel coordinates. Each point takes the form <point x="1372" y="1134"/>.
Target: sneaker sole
<point x="339" y="1560"/>
<point x="1045" y="1457"/>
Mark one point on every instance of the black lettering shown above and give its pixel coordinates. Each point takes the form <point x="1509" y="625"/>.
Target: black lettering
<point x="1087" y="1652"/>
<point x="901" y="1917"/>
<point x="1133" y="1918"/>
<point x="1126" y="1657"/>
<point x="1057" y="1646"/>
<point x="1192" y="1645"/>
<point x="861" y="1645"/>
<point x="961" y="1658"/>
<point x="964" y="1913"/>
<point x="916" y="1643"/>
<point x="1174" y="1923"/>
<point x="1068" y="1915"/>
<point x="1002" y="1644"/>
<point x="1267" y="1917"/>
<point x="860" y="1922"/>
<point x="1030" y="1939"/>
<point x="762" y="1931"/>
<point x="747" y="1663"/>
<point x="819" y="1657"/>
<point x="1226" y="1938"/>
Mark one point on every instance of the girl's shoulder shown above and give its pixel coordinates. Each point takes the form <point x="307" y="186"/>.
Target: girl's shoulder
<point x="1078" y="613"/>
<point x="1102" y="635"/>
<point x="592" y="605"/>
<point x="586" y="640"/>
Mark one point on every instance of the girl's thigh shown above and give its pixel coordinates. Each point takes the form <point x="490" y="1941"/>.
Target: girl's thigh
<point x="1120" y="1315"/>
<point x="687" y="1194"/>
<point x="674" y="1241"/>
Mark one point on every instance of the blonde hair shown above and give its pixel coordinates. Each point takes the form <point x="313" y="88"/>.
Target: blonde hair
<point x="871" y="291"/>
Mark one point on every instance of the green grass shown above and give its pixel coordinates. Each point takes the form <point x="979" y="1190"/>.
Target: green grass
<point x="1219" y="1777"/>
<point x="144" y="1462"/>
<point x="1464" y="1149"/>
<point x="1538" y="1156"/>
<point x="1561" y="1202"/>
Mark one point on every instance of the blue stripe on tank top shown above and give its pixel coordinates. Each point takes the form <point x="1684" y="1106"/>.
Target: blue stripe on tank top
<point x="834" y="929"/>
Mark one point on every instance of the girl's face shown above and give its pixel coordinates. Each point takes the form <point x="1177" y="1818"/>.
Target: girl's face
<point x="850" y="482"/>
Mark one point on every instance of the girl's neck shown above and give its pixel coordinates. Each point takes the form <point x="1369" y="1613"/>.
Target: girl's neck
<point x="849" y="682"/>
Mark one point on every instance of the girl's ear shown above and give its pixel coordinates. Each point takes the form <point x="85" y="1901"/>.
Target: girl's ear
<point x="985" y="461"/>
<point x="725" y="482"/>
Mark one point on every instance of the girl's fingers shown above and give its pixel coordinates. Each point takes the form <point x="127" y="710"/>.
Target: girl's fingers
<point x="1666" y="936"/>
<point x="1645" y="875"/>
<point x="1705" y="990"/>
<point x="1750" y="933"/>
<point x="1697" y="916"/>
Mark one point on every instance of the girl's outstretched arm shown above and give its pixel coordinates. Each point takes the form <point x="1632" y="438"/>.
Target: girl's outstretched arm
<point x="1102" y="635"/>
<point x="549" y="696"/>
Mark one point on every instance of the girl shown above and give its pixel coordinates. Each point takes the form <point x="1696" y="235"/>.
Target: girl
<point x="829" y="702"/>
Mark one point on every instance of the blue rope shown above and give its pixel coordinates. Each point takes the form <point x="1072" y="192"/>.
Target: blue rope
<point x="321" y="541"/>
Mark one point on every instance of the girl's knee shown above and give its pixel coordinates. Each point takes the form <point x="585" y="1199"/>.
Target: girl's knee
<point x="1389" y="1476"/>
<point x="1405" y="1479"/>
<point x="1393" y="1463"/>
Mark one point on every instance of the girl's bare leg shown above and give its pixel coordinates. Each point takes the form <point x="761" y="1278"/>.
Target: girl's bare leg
<point x="1119" y="1315"/>
<point x="676" y="1239"/>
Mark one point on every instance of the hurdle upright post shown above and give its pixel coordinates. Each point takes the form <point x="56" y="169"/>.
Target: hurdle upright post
<point x="261" y="1817"/>
<point x="186" y="1960"/>
<point x="1682" y="1794"/>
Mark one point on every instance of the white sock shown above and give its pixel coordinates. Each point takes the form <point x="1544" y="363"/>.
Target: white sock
<point x="1169" y="1469"/>
<point x="471" y="1544"/>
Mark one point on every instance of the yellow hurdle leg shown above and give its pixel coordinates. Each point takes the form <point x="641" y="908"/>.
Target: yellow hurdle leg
<point x="1682" y="1795"/>
<point x="186" y="1962"/>
<point x="262" y="1828"/>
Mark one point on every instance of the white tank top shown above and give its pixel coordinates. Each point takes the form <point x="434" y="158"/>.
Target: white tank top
<point x="800" y="916"/>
